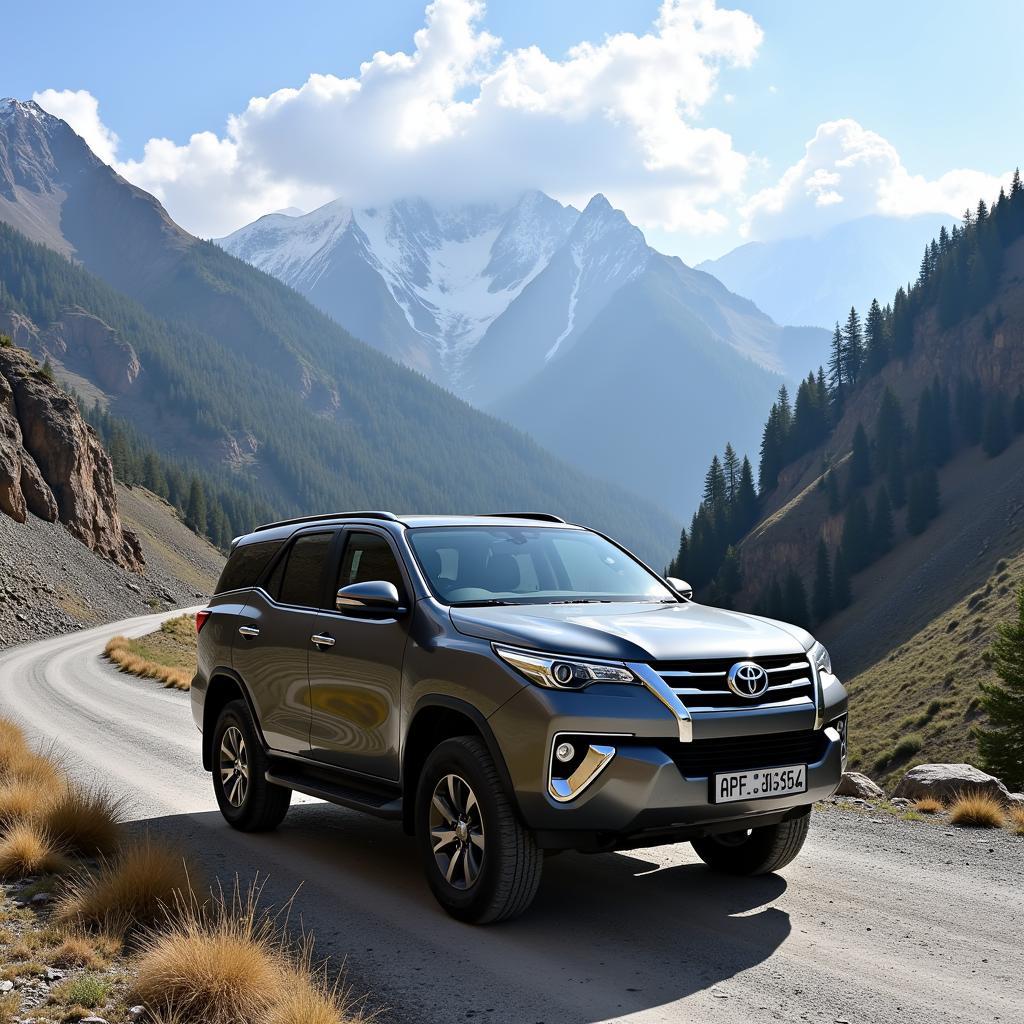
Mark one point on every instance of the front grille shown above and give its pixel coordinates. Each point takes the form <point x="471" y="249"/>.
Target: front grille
<point x="701" y="684"/>
<point x="703" y="758"/>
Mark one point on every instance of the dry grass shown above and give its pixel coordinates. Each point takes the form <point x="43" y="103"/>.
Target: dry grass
<point x="307" y="997"/>
<point x="84" y="821"/>
<point x="82" y="949"/>
<point x="978" y="810"/>
<point x="26" y="849"/>
<point x="135" y="887"/>
<point x="929" y="805"/>
<point x="1016" y="820"/>
<point x="168" y="654"/>
<point x="217" y="963"/>
<point x="12" y="745"/>
<point x="10" y="1007"/>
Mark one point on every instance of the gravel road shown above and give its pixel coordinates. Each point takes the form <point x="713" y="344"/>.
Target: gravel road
<point x="879" y="920"/>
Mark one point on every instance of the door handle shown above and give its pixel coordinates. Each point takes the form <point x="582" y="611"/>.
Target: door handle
<point x="322" y="639"/>
<point x="249" y="630"/>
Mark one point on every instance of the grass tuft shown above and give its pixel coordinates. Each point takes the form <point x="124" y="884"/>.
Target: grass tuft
<point x="216" y="963"/>
<point x="929" y="805"/>
<point x="78" y="949"/>
<point x="308" y="997"/>
<point x="26" y="849"/>
<point x="168" y="654"/>
<point x="135" y="887"/>
<point x="83" y="820"/>
<point x="1016" y="822"/>
<point x="86" y="990"/>
<point x="978" y="810"/>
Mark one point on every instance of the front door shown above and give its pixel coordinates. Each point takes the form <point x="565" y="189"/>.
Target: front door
<point x="271" y="652"/>
<point x="355" y="683"/>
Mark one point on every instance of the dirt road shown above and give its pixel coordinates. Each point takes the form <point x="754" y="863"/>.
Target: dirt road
<point x="877" y="921"/>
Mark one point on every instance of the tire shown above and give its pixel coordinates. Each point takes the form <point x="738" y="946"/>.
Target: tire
<point x="247" y="801"/>
<point x="493" y="865"/>
<point x="756" y="851"/>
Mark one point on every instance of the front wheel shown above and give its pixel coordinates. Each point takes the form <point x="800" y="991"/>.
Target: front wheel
<point x="481" y="862"/>
<point x="754" y="851"/>
<point x="247" y="801"/>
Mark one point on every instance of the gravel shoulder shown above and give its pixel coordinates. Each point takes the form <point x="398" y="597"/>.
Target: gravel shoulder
<point x="879" y="920"/>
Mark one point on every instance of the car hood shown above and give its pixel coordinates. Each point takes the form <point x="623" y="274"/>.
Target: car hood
<point x="633" y="631"/>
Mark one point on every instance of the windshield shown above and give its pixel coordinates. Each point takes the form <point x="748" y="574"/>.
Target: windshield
<point x="515" y="565"/>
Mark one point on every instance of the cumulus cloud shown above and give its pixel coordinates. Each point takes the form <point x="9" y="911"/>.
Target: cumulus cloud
<point x="848" y="171"/>
<point x="459" y="116"/>
<point x="81" y="110"/>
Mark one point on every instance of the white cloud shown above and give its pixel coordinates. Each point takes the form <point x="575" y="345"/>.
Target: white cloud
<point x="460" y="116"/>
<point x="848" y="171"/>
<point x="82" y="111"/>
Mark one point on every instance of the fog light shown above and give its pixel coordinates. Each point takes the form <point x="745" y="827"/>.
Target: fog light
<point x="565" y="752"/>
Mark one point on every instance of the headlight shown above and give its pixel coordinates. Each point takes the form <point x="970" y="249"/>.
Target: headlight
<point x="820" y="658"/>
<point x="559" y="673"/>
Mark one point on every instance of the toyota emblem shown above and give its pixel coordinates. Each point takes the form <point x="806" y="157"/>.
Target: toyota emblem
<point x="747" y="679"/>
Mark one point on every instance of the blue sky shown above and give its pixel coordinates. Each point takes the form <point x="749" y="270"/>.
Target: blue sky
<point x="930" y="87"/>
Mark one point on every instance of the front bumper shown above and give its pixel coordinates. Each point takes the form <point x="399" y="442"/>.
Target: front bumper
<point x="651" y="786"/>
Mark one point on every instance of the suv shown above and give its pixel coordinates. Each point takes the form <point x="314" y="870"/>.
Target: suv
<point x="507" y="686"/>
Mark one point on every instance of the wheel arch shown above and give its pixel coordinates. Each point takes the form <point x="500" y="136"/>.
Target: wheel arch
<point x="225" y="686"/>
<point x="435" y="718"/>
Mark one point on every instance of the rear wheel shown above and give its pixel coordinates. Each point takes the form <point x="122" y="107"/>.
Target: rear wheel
<point x="247" y="801"/>
<point x="754" y="851"/>
<point x="481" y="862"/>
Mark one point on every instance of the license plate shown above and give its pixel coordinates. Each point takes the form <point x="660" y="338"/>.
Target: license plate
<point x="759" y="784"/>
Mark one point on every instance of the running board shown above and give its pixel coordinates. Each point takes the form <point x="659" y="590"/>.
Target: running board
<point x="358" y="799"/>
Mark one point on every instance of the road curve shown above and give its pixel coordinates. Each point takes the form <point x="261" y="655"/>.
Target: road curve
<point x="876" y="921"/>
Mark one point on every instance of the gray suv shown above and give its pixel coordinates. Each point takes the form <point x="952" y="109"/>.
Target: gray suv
<point x="507" y="686"/>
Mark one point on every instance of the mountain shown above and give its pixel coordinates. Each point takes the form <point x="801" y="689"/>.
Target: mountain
<point x="506" y="303"/>
<point x="816" y="278"/>
<point x="909" y="478"/>
<point x="230" y="373"/>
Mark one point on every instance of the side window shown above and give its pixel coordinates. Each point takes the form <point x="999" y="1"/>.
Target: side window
<point x="368" y="556"/>
<point x="303" y="570"/>
<point x="245" y="564"/>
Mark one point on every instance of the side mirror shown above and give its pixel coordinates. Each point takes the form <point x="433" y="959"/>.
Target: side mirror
<point x="372" y="596"/>
<point x="681" y="587"/>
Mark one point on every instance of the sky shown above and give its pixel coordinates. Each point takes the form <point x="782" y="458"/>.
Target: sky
<point x="708" y="124"/>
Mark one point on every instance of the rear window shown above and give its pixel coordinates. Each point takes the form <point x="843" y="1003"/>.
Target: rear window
<point x="246" y="563"/>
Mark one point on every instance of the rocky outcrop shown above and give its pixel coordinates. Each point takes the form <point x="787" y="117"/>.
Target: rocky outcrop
<point x="53" y="465"/>
<point x="859" y="785"/>
<point x="946" y="782"/>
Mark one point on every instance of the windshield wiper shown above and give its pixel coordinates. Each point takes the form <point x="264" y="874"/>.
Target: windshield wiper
<point x="582" y="600"/>
<point x="488" y="603"/>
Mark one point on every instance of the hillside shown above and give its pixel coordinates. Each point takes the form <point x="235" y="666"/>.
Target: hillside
<point x="903" y="475"/>
<point x="320" y="421"/>
<point x="815" y="279"/>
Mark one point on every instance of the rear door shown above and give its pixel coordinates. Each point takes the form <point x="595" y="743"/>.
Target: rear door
<point x="271" y="651"/>
<point x="355" y="672"/>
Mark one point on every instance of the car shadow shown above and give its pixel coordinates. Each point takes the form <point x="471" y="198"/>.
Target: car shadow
<point x="608" y="934"/>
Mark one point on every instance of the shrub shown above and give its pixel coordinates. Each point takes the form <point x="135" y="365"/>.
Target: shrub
<point x="907" y="747"/>
<point x="26" y="849"/>
<point x="978" y="810"/>
<point x="217" y="963"/>
<point x="929" y="805"/>
<point x="88" y="990"/>
<point x="136" y="887"/>
<point x="80" y="949"/>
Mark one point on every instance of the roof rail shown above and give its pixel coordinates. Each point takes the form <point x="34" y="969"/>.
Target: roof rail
<point x="389" y="516"/>
<point x="544" y="517"/>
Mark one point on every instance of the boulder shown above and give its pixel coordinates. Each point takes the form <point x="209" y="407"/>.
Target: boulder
<point x="53" y="465"/>
<point x="946" y="782"/>
<point x="857" y="784"/>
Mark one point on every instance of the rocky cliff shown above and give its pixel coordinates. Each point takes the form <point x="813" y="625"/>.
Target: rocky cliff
<point x="53" y="466"/>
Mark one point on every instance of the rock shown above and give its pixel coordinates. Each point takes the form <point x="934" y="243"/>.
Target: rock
<point x="54" y="974"/>
<point x="946" y="782"/>
<point x="900" y="801"/>
<point x="856" y="784"/>
<point x="92" y="1020"/>
<point x="40" y="899"/>
<point x="86" y="342"/>
<point x="52" y="463"/>
<point x="136" y="1011"/>
<point x="6" y="986"/>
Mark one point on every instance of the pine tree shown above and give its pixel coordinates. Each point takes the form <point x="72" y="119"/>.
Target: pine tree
<point x="195" y="511"/>
<point x="773" y="443"/>
<point x="857" y="534"/>
<point x="1001" y="742"/>
<point x="881" y="523"/>
<point x="730" y="576"/>
<point x="678" y="565"/>
<point x="731" y="470"/>
<point x="902" y="324"/>
<point x="896" y="481"/>
<point x="996" y="433"/>
<point x="47" y="369"/>
<point x="890" y="431"/>
<point x="969" y="412"/>
<point x="853" y="347"/>
<point x="794" y="598"/>
<point x="832" y="492"/>
<point x="876" y="339"/>
<point x="860" y="461"/>
<point x="923" y="501"/>
<point x="841" y="593"/>
<point x="821" y="599"/>
<point x="746" y="507"/>
<point x="837" y="367"/>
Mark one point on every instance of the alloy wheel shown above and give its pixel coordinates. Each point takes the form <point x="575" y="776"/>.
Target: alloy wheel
<point x="234" y="766"/>
<point x="456" y="832"/>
